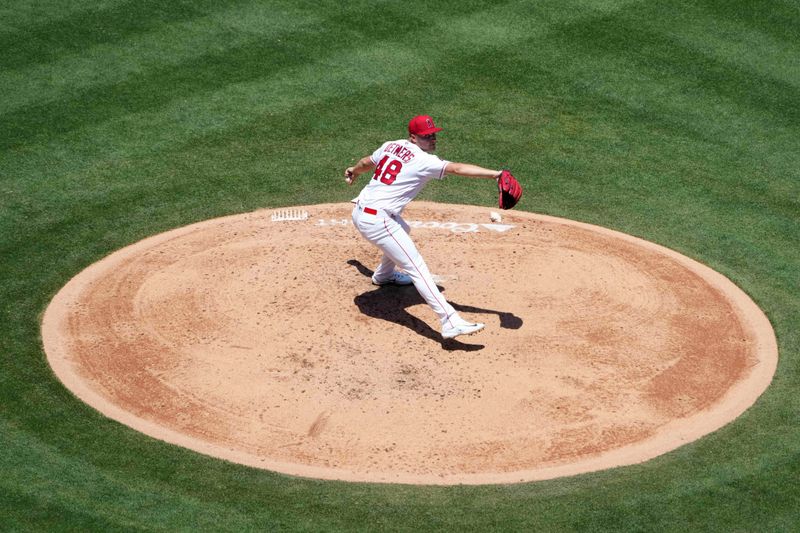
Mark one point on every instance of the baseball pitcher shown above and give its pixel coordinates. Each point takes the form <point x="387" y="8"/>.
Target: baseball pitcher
<point x="401" y="169"/>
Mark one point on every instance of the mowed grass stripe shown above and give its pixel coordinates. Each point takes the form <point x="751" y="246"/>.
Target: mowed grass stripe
<point x="778" y="19"/>
<point x="242" y="101"/>
<point x="216" y="68"/>
<point x="166" y="45"/>
<point x="46" y="39"/>
<point x="648" y="48"/>
<point x="668" y="102"/>
<point x="648" y="71"/>
<point x="624" y="92"/>
<point x="63" y="482"/>
<point x="234" y="103"/>
<point x="156" y="88"/>
<point x="729" y="39"/>
<point x="17" y="15"/>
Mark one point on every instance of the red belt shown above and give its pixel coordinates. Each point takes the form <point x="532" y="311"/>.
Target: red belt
<point x="370" y="211"/>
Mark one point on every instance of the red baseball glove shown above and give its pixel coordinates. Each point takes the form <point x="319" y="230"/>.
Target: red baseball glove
<point x="510" y="190"/>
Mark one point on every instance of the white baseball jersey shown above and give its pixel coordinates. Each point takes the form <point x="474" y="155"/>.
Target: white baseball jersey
<point x="401" y="171"/>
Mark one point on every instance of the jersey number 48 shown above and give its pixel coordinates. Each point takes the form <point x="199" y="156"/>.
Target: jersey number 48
<point x="387" y="170"/>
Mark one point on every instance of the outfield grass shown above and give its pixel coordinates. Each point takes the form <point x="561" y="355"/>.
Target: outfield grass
<point x="674" y="121"/>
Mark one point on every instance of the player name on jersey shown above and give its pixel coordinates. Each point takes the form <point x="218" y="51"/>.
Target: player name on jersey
<point x="401" y="152"/>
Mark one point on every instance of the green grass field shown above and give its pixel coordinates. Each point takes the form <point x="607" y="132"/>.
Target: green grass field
<point x="678" y="122"/>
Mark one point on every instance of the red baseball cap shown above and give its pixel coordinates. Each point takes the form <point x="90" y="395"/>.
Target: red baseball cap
<point x="422" y="125"/>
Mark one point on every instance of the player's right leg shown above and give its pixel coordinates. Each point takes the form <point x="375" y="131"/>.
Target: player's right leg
<point x="393" y="239"/>
<point x="398" y="247"/>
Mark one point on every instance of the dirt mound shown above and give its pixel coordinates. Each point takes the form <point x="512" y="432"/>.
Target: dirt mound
<point x="259" y="338"/>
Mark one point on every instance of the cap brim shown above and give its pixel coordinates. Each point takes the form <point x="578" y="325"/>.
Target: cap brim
<point x="429" y="131"/>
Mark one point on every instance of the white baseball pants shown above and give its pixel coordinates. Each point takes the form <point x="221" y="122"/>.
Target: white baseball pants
<point x="390" y="233"/>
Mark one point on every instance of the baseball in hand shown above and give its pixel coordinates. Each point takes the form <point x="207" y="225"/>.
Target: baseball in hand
<point x="494" y="216"/>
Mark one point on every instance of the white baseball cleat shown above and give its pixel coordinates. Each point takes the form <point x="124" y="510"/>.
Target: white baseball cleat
<point x="456" y="326"/>
<point x="397" y="278"/>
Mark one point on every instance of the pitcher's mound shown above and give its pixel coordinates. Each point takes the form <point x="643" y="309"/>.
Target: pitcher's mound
<point x="259" y="338"/>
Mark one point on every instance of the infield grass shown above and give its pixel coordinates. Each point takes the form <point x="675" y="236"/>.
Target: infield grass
<point x="674" y="121"/>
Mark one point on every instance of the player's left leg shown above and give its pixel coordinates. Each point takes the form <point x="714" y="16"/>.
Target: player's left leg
<point x="385" y="269"/>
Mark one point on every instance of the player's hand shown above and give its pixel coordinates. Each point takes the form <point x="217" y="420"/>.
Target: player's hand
<point x="349" y="175"/>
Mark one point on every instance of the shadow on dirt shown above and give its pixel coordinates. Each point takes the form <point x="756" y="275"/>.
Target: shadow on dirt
<point x="390" y="303"/>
